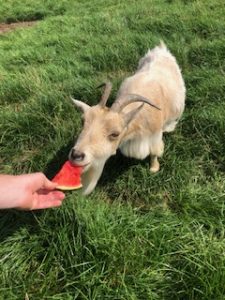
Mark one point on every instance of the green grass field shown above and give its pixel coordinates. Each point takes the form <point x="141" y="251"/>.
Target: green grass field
<point x="137" y="236"/>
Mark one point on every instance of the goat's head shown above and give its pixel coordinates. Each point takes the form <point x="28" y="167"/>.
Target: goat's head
<point x="103" y="129"/>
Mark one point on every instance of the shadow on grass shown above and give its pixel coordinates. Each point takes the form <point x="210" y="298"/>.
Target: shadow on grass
<point x="118" y="185"/>
<point x="59" y="159"/>
<point x="116" y="166"/>
<point x="12" y="221"/>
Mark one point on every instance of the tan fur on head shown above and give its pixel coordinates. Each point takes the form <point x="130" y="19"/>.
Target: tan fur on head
<point x="134" y="123"/>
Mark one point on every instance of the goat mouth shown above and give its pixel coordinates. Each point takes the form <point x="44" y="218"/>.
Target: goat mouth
<point x="80" y="165"/>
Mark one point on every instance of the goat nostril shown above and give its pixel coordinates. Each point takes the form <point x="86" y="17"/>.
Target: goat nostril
<point x="77" y="155"/>
<point x="73" y="153"/>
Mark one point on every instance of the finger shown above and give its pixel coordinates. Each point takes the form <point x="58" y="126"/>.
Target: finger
<point x="47" y="200"/>
<point x="47" y="204"/>
<point x="50" y="195"/>
<point x="40" y="181"/>
<point x="49" y="185"/>
<point x="56" y="194"/>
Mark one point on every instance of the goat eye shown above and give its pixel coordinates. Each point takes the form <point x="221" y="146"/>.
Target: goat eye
<point x="114" y="135"/>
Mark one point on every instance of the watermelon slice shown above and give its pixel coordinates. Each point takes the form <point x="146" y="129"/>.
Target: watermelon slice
<point x="69" y="177"/>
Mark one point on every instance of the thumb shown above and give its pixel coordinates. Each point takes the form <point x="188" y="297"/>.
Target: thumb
<point x="49" y="185"/>
<point x="40" y="181"/>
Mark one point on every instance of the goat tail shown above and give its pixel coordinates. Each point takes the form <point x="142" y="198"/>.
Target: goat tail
<point x="152" y="54"/>
<point x="162" y="45"/>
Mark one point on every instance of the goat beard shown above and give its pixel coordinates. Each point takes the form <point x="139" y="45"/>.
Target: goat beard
<point x="91" y="176"/>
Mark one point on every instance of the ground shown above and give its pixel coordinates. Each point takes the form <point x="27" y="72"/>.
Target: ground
<point x="138" y="235"/>
<point x="4" y="27"/>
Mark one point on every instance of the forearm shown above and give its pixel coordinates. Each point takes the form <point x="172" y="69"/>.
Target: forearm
<point x="8" y="191"/>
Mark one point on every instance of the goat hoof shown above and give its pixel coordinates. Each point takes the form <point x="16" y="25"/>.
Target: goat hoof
<point x="155" y="168"/>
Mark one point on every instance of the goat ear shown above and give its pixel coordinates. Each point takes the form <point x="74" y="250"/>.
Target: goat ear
<point x="131" y="114"/>
<point x="83" y="106"/>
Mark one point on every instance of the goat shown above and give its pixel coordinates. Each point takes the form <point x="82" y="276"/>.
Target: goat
<point x="137" y="130"/>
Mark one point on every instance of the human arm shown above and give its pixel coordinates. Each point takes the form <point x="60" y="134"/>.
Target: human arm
<point x="28" y="192"/>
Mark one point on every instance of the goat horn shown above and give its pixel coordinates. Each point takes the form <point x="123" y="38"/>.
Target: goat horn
<point x="120" y="103"/>
<point x="106" y="92"/>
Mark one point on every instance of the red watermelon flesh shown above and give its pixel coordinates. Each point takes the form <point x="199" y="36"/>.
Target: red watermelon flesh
<point x="69" y="177"/>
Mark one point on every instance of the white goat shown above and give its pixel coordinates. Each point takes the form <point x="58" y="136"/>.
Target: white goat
<point x="135" y="129"/>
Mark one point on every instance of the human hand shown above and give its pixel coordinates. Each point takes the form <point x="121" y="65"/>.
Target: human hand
<point x="28" y="192"/>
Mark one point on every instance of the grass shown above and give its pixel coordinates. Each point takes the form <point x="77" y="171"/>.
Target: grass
<point x="137" y="236"/>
